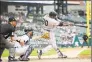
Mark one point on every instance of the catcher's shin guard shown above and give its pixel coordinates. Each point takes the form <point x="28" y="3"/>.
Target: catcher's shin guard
<point x="27" y="53"/>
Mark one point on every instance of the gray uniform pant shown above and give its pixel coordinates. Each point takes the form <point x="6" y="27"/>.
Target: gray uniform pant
<point x="8" y="45"/>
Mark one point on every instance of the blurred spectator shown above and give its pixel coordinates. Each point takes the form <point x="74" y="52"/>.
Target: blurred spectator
<point x="73" y="35"/>
<point x="76" y="44"/>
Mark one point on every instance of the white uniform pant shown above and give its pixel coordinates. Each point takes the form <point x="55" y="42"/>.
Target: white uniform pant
<point x="21" y="50"/>
<point x="52" y="43"/>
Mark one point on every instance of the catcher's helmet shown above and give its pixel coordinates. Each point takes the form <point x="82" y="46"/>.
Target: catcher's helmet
<point x="52" y="14"/>
<point x="28" y="29"/>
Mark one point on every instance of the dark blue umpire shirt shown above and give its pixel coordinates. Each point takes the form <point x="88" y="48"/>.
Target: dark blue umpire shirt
<point x="6" y="30"/>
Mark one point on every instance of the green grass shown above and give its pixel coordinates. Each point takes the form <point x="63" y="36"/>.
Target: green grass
<point x="5" y="53"/>
<point x="50" y="52"/>
<point x="34" y="53"/>
<point x="86" y="52"/>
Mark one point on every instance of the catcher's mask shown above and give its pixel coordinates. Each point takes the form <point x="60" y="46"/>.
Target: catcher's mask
<point x="28" y="30"/>
<point x="52" y="14"/>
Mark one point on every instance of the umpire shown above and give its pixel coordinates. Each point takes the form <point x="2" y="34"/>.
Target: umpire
<point x="6" y="30"/>
<point x="85" y="38"/>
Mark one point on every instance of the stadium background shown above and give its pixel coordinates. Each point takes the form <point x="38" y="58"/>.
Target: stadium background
<point x="31" y="13"/>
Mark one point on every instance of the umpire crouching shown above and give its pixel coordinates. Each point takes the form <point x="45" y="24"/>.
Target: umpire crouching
<point x="6" y="30"/>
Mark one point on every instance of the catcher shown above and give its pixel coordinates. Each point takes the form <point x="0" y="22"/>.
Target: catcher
<point x="22" y="47"/>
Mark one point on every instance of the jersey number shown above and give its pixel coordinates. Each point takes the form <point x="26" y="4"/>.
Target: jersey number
<point x="46" y="23"/>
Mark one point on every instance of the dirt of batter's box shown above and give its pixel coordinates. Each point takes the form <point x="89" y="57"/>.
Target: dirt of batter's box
<point x="70" y="49"/>
<point x="84" y="56"/>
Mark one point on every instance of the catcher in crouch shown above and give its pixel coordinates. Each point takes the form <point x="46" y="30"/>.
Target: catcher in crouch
<point x="23" y="49"/>
<point x="51" y="21"/>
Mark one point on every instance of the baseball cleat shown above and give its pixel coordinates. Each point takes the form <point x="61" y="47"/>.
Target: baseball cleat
<point x="0" y="60"/>
<point x="12" y="59"/>
<point x="62" y="56"/>
<point x="39" y="53"/>
<point x="21" y="59"/>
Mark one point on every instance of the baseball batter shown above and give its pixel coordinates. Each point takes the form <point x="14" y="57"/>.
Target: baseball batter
<point x="51" y="21"/>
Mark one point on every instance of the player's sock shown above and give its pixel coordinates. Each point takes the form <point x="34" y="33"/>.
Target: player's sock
<point x="59" y="52"/>
<point x="39" y="53"/>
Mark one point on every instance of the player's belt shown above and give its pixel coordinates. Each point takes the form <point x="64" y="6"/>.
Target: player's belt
<point x="16" y="47"/>
<point x="48" y="30"/>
